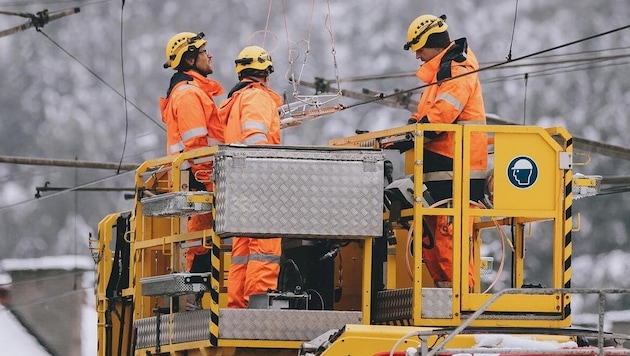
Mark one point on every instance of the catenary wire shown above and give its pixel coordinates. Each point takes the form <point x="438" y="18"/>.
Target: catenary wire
<point x="122" y="70"/>
<point x="508" y="66"/>
<point x="509" y="56"/>
<point x="64" y="2"/>
<point x="101" y="79"/>
<point x="494" y="66"/>
<point x="48" y="298"/>
<point x="551" y="71"/>
<point x="383" y="96"/>
<point x="526" y="79"/>
<point x="65" y="190"/>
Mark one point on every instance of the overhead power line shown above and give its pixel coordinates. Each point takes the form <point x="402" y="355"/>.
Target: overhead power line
<point x="54" y="194"/>
<point x="35" y="20"/>
<point x="401" y="101"/>
<point x="67" y="163"/>
<point x="493" y="66"/>
<point x="539" y="62"/>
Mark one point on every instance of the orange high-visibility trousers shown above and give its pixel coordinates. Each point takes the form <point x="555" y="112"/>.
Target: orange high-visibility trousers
<point x="254" y="269"/>
<point x="439" y="259"/>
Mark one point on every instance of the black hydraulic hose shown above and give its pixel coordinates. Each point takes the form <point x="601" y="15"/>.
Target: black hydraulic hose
<point x="108" y="332"/>
<point x="121" y="332"/>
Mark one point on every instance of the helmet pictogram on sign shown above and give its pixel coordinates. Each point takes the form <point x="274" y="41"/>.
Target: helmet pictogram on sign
<point x="522" y="172"/>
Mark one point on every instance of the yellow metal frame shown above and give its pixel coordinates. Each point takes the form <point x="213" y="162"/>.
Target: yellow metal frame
<point x="155" y="241"/>
<point x="545" y="145"/>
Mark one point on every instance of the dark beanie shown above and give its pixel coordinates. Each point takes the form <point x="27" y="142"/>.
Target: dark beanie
<point x="438" y="40"/>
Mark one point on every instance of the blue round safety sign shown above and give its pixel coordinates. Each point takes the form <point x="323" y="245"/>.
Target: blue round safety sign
<point x="522" y="172"/>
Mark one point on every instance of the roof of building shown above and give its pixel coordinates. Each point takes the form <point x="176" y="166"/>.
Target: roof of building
<point x="47" y="263"/>
<point x="17" y="340"/>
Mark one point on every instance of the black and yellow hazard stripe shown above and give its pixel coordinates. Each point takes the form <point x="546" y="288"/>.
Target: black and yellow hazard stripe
<point x="397" y="322"/>
<point x="568" y="227"/>
<point x="214" y="291"/>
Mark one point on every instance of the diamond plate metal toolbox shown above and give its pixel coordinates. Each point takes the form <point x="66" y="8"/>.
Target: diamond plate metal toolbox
<point x="182" y="203"/>
<point x="246" y="324"/>
<point x="282" y="191"/>
<point x="265" y="324"/>
<point x="174" y="284"/>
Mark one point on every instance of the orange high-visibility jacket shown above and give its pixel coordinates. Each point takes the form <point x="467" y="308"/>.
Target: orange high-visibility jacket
<point x="454" y="101"/>
<point x="191" y="116"/>
<point x="250" y="114"/>
<point x="192" y="121"/>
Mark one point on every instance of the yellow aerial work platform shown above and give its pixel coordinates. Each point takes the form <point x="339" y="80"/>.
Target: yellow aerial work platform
<point x="362" y="285"/>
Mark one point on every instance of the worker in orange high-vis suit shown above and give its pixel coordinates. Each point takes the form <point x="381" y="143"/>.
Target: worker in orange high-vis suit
<point x="250" y="113"/>
<point x="191" y="118"/>
<point x="455" y="98"/>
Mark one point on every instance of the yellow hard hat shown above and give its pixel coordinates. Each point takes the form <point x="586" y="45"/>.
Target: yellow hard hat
<point x="421" y="28"/>
<point x="180" y="44"/>
<point x="253" y="57"/>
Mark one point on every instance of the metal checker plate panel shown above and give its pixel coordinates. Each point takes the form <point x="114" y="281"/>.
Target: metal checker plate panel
<point x="303" y="193"/>
<point x="437" y="303"/>
<point x="173" y="284"/>
<point x="187" y="326"/>
<point x="392" y="305"/>
<point x="281" y="324"/>
<point x="396" y="304"/>
<point x="174" y="204"/>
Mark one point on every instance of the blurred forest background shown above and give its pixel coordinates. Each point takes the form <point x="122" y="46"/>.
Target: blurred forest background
<point x="86" y="87"/>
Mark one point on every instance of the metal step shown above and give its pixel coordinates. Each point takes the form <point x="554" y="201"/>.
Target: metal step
<point x="243" y="324"/>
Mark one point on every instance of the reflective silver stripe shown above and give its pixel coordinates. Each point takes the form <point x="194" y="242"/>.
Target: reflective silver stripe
<point x="254" y="125"/>
<point x="478" y="174"/>
<point x="179" y="146"/>
<point x="259" y="137"/>
<point x="213" y="142"/>
<point x="176" y="147"/>
<point x="192" y="133"/>
<point x="184" y="86"/>
<point x="448" y="175"/>
<point x="264" y="258"/>
<point x="472" y="122"/>
<point x="240" y="260"/>
<point x="451" y="100"/>
<point x="185" y="165"/>
<point x="437" y="176"/>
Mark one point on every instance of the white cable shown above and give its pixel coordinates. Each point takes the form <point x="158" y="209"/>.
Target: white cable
<point x="502" y="236"/>
<point x="403" y="338"/>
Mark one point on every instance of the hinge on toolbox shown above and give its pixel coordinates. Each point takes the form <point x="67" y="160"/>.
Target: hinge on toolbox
<point x="238" y="159"/>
